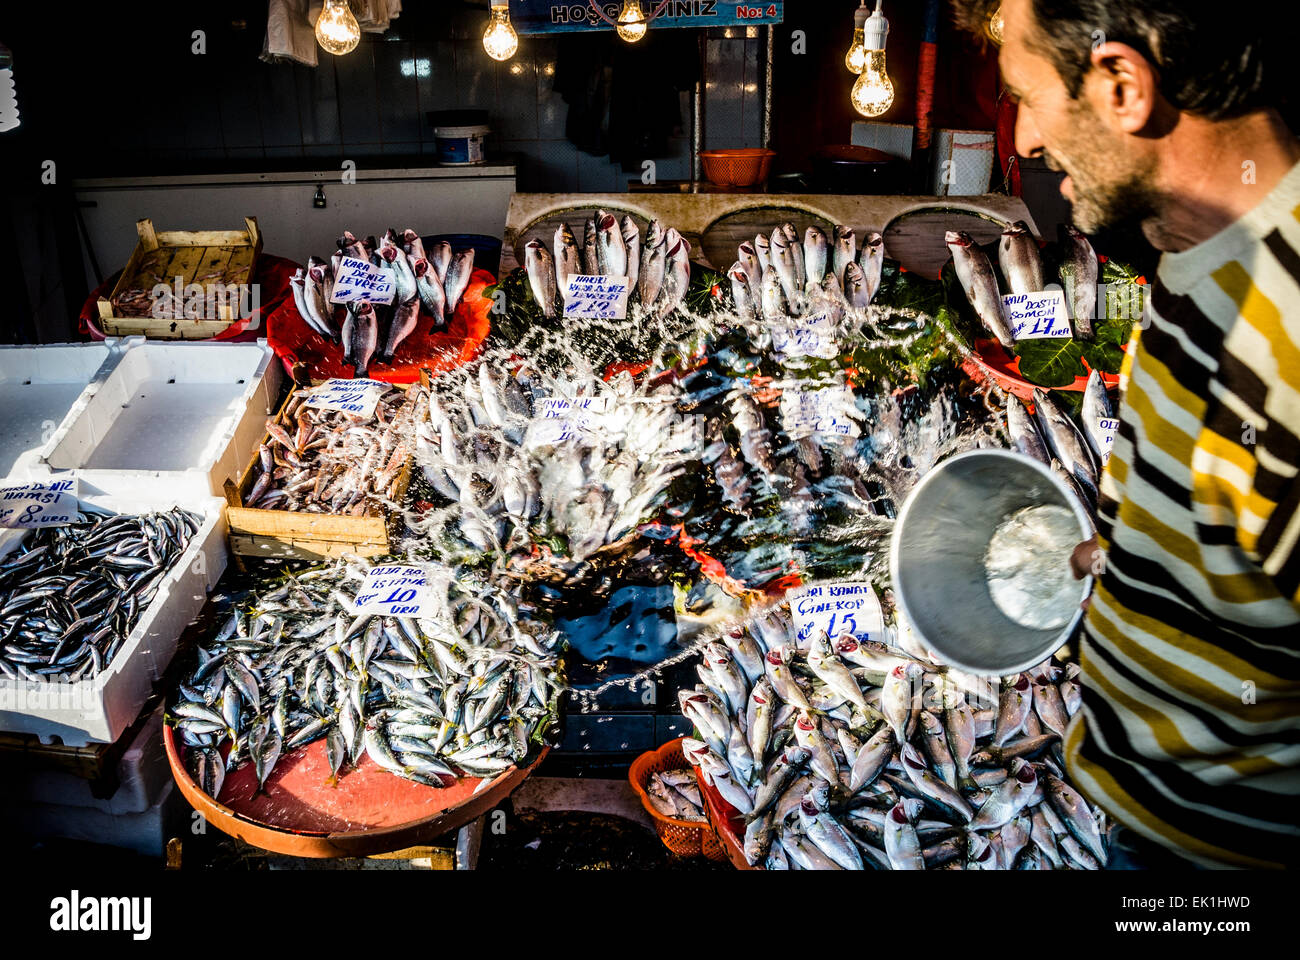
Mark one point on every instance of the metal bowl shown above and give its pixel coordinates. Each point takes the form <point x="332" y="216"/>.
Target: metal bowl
<point x="937" y="559"/>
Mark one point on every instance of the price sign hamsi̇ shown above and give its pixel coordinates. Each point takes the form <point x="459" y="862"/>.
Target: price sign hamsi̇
<point x="38" y="503"/>
<point x="395" y="591"/>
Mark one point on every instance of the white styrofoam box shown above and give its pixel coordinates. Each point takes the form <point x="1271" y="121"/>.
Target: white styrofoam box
<point x="894" y="139"/>
<point x="146" y="832"/>
<point x="99" y="710"/>
<point x="963" y="162"/>
<point x="173" y="418"/>
<point x="42" y="388"/>
<point x="141" y="772"/>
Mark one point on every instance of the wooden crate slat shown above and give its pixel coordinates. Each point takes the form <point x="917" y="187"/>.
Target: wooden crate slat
<point x="185" y="264"/>
<point x="202" y="238"/>
<point x="213" y="265"/>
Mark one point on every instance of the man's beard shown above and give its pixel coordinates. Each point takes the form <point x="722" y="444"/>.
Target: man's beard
<point x="1110" y="191"/>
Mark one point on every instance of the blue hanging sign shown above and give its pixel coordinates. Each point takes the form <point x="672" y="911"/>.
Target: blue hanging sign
<point x="569" y="16"/>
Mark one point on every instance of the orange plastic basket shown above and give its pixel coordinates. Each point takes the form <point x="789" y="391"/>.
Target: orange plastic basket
<point x="685" y="838"/>
<point x="737" y="168"/>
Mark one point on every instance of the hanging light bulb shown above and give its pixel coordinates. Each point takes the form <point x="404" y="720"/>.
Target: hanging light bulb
<point x="856" y="58"/>
<point x="499" y="39"/>
<point x="632" y="23"/>
<point x="994" y="26"/>
<point x="337" y="30"/>
<point x="873" y="91"/>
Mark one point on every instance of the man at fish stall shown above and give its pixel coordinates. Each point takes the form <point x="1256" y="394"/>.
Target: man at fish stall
<point x="1164" y="114"/>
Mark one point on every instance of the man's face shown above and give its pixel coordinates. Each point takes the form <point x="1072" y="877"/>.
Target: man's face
<point x="1109" y="177"/>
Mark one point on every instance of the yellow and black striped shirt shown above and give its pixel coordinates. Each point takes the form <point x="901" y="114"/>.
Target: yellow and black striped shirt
<point x="1190" y="727"/>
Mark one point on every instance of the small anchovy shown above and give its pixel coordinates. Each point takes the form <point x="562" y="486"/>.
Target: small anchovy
<point x="372" y="687"/>
<point x="71" y="595"/>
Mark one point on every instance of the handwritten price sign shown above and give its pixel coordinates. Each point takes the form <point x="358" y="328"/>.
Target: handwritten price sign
<point x="357" y="397"/>
<point x="806" y="337"/>
<point x="557" y="419"/>
<point x="395" y="591"/>
<point x="596" y="298"/>
<point x="1106" y="427"/>
<point x="39" y="504"/>
<point x="837" y="609"/>
<point x="358" y="281"/>
<point x="1035" y="316"/>
<point x="829" y="411"/>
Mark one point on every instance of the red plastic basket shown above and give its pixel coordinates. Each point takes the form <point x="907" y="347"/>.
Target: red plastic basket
<point x="685" y="838"/>
<point x="737" y="168"/>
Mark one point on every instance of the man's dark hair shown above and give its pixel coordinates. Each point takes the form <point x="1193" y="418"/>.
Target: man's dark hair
<point x="1210" y="58"/>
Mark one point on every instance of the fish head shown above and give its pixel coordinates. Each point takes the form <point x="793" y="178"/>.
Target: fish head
<point x="911" y="757"/>
<point x="1024" y="772"/>
<point x="607" y="223"/>
<point x="847" y="644"/>
<point x="905" y="811"/>
<point x="958" y="238"/>
<point x="1022" y="684"/>
<point x="738" y="272"/>
<point x="420" y="267"/>
<point x="805" y="721"/>
<point x="874" y="241"/>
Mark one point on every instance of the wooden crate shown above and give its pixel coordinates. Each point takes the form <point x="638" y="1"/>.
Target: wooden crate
<point x="256" y="532"/>
<point x="207" y="257"/>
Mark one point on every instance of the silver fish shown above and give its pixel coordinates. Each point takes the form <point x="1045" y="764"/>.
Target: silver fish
<point x="459" y="273"/>
<point x="541" y="276"/>
<point x="980" y="284"/>
<point x="568" y="256"/>
<point x="1096" y="407"/>
<point x="872" y="263"/>
<point x="816" y="252"/>
<point x="844" y="250"/>
<point x="1079" y="272"/>
<point x="1020" y="260"/>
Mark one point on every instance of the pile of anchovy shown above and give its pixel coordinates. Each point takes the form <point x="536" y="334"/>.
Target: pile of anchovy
<point x="461" y="692"/>
<point x="587" y="475"/>
<point x="843" y="754"/>
<point x="328" y="461"/>
<point x="71" y="595"/>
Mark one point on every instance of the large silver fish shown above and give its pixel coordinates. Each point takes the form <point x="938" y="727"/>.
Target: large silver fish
<point x="459" y="273"/>
<point x="1020" y="260"/>
<point x="980" y="284"/>
<point x="541" y="276"/>
<point x="568" y="257"/>
<point x="1079" y="272"/>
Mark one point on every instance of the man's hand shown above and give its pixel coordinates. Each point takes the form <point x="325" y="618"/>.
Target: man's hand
<point x="1087" y="559"/>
